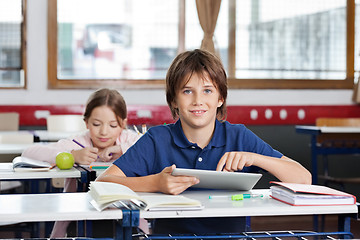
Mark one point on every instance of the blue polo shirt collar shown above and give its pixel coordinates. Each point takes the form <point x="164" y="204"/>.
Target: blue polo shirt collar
<point x="217" y="140"/>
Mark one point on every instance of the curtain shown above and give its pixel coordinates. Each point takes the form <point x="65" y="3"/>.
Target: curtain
<point x="208" y="11"/>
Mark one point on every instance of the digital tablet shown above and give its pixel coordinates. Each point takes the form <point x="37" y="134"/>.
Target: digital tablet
<point x="220" y="180"/>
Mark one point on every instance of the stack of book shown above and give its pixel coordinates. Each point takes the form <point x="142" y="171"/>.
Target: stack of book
<point x="309" y="195"/>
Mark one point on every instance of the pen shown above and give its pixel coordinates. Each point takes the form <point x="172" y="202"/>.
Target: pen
<point x="136" y="129"/>
<point x="144" y="128"/>
<point x="84" y="146"/>
<point x="78" y="143"/>
<point x="237" y="197"/>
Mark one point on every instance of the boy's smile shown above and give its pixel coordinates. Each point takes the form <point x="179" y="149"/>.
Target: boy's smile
<point x="197" y="102"/>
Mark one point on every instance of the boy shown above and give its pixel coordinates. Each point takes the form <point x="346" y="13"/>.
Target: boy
<point x="196" y="92"/>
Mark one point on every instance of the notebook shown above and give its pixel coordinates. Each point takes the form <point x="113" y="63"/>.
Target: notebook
<point x="220" y="180"/>
<point x="309" y="195"/>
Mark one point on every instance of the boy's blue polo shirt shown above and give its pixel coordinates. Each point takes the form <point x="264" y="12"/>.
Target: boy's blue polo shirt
<point x="165" y="145"/>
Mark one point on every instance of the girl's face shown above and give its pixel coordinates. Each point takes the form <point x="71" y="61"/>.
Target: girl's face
<point x="103" y="127"/>
<point x="197" y="103"/>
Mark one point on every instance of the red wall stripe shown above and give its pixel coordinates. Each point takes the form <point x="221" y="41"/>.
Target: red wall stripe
<point x="155" y="114"/>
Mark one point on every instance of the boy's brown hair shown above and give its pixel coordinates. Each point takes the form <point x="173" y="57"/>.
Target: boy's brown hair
<point x="110" y="98"/>
<point x="199" y="62"/>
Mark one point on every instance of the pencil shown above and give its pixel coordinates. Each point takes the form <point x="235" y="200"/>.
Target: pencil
<point x="78" y="143"/>
<point x="84" y="147"/>
<point x="136" y="130"/>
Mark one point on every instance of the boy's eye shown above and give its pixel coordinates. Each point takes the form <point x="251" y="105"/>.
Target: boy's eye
<point x="207" y="91"/>
<point x="187" y="91"/>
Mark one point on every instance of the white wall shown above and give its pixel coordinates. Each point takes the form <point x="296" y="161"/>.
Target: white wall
<point x="38" y="94"/>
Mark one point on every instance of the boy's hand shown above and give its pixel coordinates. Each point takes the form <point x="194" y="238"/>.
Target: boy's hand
<point x="85" y="156"/>
<point x="174" y="184"/>
<point x="233" y="161"/>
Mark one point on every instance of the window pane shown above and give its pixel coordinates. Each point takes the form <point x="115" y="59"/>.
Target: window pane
<point x="10" y="43"/>
<point x="116" y="39"/>
<point x="357" y="36"/>
<point x="291" y="39"/>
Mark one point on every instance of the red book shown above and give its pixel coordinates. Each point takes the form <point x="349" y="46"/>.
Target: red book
<point x="309" y="195"/>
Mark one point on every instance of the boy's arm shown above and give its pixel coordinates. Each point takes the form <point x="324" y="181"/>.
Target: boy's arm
<point x="161" y="182"/>
<point x="284" y="168"/>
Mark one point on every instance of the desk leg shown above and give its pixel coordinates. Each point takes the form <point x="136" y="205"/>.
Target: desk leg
<point x="344" y="222"/>
<point x="314" y="168"/>
<point x="123" y="228"/>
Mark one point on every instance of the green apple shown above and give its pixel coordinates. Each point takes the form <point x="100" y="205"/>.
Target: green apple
<point x="65" y="160"/>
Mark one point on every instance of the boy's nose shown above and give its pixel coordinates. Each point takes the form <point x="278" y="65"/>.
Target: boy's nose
<point x="197" y="99"/>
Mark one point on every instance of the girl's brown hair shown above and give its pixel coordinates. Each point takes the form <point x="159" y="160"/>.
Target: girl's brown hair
<point x="199" y="62"/>
<point x="110" y="98"/>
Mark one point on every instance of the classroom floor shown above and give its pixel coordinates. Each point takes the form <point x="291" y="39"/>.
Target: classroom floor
<point x="104" y="228"/>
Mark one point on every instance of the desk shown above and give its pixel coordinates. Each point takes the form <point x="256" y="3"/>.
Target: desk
<point x="9" y="174"/>
<point x="42" y="135"/>
<point x="46" y="136"/>
<point x="317" y="150"/>
<point x="76" y="206"/>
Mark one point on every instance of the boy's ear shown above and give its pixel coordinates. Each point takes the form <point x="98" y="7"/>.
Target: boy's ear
<point x="174" y="105"/>
<point x="220" y="102"/>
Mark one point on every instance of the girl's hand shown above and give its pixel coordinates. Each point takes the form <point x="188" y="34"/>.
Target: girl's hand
<point x="110" y="153"/>
<point x="85" y="156"/>
<point x="174" y="184"/>
<point x="233" y="161"/>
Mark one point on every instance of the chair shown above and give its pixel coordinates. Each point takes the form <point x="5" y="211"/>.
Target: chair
<point x="337" y="141"/>
<point x="9" y="121"/>
<point x="65" y="123"/>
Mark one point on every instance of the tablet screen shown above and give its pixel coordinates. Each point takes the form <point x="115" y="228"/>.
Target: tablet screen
<point x="220" y="180"/>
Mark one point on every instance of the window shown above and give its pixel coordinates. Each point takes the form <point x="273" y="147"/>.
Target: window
<point x="12" y="47"/>
<point x="262" y="43"/>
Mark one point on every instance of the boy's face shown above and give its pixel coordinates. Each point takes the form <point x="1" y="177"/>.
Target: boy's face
<point x="103" y="127"/>
<point x="197" y="102"/>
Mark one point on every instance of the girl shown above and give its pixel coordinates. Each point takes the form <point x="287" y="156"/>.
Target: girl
<point x="106" y="139"/>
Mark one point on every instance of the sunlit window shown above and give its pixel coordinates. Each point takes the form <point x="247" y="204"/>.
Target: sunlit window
<point x="11" y="47"/>
<point x="262" y="43"/>
<point x="291" y="39"/>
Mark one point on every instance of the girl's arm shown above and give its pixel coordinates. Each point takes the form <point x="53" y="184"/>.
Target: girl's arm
<point x="161" y="182"/>
<point x="48" y="152"/>
<point x="284" y="168"/>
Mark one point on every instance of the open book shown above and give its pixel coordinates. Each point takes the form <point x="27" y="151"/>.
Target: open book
<point x="105" y="194"/>
<point x="24" y="164"/>
<point x="311" y="195"/>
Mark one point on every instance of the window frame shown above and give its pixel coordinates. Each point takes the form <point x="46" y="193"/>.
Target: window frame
<point x="233" y="83"/>
<point x="22" y="69"/>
